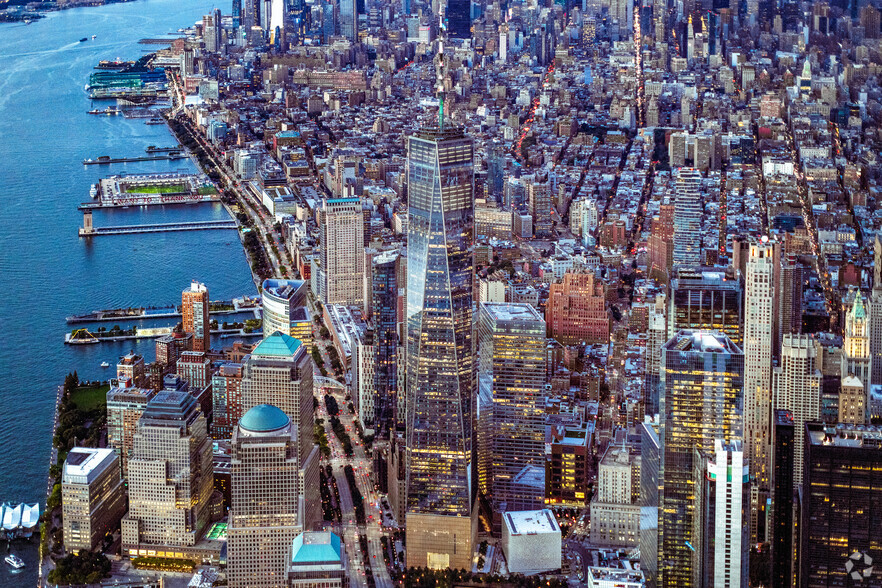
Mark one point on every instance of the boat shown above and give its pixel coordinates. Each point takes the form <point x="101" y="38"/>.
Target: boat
<point x="93" y="191"/>
<point x="84" y="39"/>
<point x="15" y="561"/>
<point x="93" y="37"/>
<point x="104" y="364"/>
<point x="155" y="121"/>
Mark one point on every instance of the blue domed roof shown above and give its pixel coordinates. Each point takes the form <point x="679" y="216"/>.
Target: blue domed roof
<point x="263" y="418"/>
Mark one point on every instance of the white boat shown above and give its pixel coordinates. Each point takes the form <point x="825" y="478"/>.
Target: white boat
<point x="93" y="37"/>
<point x="12" y="517"/>
<point x="104" y="364"/>
<point x="15" y="561"/>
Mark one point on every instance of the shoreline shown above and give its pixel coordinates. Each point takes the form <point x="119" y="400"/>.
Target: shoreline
<point x="41" y="13"/>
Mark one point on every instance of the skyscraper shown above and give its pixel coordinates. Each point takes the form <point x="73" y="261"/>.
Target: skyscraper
<point x="576" y="310"/>
<point x="797" y="388"/>
<point x="459" y="18"/>
<point x="721" y="538"/>
<point x="539" y="201"/>
<point x="856" y="343"/>
<point x="783" y="501"/>
<point x="170" y="475"/>
<point x="125" y="405"/>
<point x="347" y="19"/>
<point x="842" y="511"/>
<point x="702" y="401"/>
<point x="384" y="308"/>
<point x="342" y="244"/>
<point x="284" y="309"/>
<point x="759" y="333"/>
<point x="195" y="313"/>
<point x="440" y="348"/>
<point x="92" y="497"/>
<point x="211" y="31"/>
<point x="279" y="372"/>
<point x="511" y="370"/>
<point x="706" y="300"/>
<point x="687" y="218"/>
<point x="268" y="497"/>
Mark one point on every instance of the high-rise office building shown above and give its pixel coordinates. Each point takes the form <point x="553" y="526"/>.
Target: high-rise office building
<point x="706" y="300"/>
<point x="342" y="246"/>
<point x="511" y="371"/>
<point x="656" y="336"/>
<point x="440" y="348"/>
<point x="459" y="18"/>
<point x="284" y="309"/>
<point x="93" y="499"/>
<point x="211" y="31"/>
<point x="237" y="13"/>
<point x="125" y="405"/>
<point x="385" y="295"/>
<point x="687" y="219"/>
<point x="347" y="19"/>
<point x="790" y="292"/>
<point x="856" y="343"/>
<point x="130" y="370"/>
<point x="615" y="508"/>
<point x="784" y="492"/>
<point x="318" y="559"/>
<point x="279" y="372"/>
<point x="796" y="384"/>
<point x="226" y="397"/>
<point x="195" y="312"/>
<point x="702" y="401"/>
<point x="720" y="535"/>
<point x="170" y="475"/>
<point x="650" y="492"/>
<point x="842" y="506"/>
<point x="576" y="310"/>
<point x="269" y="498"/>
<point x="539" y="206"/>
<point x="759" y="335"/>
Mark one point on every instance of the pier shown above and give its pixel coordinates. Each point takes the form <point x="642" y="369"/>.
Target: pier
<point x="121" y="191"/>
<point x="84" y="337"/>
<point x="154" y="149"/>
<point x="217" y="307"/>
<point x="89" y="230"/>
<point x="158" y="41"/>
<point x="105" y="160"/>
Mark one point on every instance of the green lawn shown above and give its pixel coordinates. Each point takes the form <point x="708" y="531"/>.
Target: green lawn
<point x="207" y="190"/>
<point x="91" y="398"/>
<point x="156" y="189"/>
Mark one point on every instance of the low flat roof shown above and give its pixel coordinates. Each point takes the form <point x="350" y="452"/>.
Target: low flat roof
<point x="531" y="522"/>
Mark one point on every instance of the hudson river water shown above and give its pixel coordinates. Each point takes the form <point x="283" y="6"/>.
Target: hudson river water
<point x="46" y="271"/>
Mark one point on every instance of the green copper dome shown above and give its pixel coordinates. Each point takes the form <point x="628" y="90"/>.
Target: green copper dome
<point x="264" y="418"/>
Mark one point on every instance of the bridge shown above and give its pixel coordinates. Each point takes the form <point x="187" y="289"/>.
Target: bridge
<point x="92" y="231"/>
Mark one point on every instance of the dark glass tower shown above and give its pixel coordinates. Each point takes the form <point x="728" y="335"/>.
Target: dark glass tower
<point x="784" y="488"/>
<point x="702" y="400"/>
<point x="384" y="302"/>
<point x="459" y="19"/>
<point x="440" y="348"/>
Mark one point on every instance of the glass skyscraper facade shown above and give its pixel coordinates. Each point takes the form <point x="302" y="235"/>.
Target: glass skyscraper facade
<point x="440" y="348"/>
<point x="687" y="219"/>
<point x="708" y="300"/>
<point x="701" y="401"/>
<point x="511" y="355"/>
<point x="384" y="304"/>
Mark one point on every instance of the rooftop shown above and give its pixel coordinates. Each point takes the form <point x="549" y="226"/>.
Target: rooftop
<point x="264" y="418"/>
<point x="314" y="547"/>
<point x="845" y="435"/>
<point x="83" y="463"/>
<point x="511" y="311"/>
<point x="531" y="522"/>
<point x="702" y="342"/>
<point x="277" y="345"/>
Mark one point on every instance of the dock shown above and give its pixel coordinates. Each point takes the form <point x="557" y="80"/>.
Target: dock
<point x="239" y="305"/>
<point x="104" y="160"/>
<point x="154" y="149"/>
<point x="158" y="41"/>
<point x="93" y="231"/>
<point x="120" y="191"/>
<point x="84" y="337"/>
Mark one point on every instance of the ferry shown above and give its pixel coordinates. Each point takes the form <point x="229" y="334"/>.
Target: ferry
<point x="104" y="364"/>
<point x="15" y="561"/>
<point x="84" y="39"/>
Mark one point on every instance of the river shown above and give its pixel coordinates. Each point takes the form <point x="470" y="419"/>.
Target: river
<point x="46" y="271"/>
